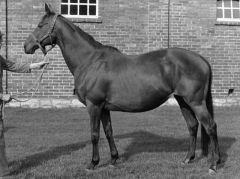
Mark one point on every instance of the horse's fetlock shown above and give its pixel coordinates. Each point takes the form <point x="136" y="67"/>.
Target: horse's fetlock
<point x="114" y="155"/>
<point x="95" y="161"/>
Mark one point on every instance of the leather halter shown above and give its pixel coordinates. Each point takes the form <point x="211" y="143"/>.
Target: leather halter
<point x="48" y="34"/>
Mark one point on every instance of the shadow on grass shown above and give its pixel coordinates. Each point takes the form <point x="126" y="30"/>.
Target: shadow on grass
<point x="142" y="142"/>
<point x="37" y="159"/>
<point x="147" y="142"/>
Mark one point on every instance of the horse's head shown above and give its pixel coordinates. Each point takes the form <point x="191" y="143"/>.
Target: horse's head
<point x="44" y="33"/>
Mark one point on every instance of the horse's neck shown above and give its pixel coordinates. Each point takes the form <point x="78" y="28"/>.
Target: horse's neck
<point x="75" y="49"/>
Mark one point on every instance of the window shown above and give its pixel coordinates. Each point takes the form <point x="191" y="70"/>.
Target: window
<point x="228" y="10"/>
<point x="79" y="8"/>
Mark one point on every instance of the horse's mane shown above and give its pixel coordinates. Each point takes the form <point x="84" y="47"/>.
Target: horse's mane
<point x="88" y="37"/>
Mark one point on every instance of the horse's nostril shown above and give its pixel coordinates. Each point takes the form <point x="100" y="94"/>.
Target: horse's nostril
<point x="25" y="47"/>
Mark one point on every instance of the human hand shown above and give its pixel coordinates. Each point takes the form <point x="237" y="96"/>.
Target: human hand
<point x="38" y="65"/>
<point x="6" y="97"/>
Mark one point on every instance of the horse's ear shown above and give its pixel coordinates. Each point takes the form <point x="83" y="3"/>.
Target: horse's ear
<point x="49" y="10"/>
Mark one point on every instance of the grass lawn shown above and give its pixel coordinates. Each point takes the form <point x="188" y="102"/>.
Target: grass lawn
<point x="55" y="143"/>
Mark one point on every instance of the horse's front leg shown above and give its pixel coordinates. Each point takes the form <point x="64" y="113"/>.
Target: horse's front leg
<point x="95" y="113"/>
<point x="107" y="126"/>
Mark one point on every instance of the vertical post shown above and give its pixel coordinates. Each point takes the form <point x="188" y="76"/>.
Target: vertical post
<point x="169" y="9"/>
<point x="6" y="41"/>
<point x="3" y="158"/>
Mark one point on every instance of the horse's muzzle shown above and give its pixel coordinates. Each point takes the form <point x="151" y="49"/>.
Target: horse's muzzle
<point x="30" y="49"/>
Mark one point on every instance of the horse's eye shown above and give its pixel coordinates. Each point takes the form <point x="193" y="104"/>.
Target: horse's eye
<point x="42" y="24"/>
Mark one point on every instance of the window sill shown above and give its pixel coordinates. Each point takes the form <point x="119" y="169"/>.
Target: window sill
<point x="86" y="20"/>
<point x="228" y="23"/>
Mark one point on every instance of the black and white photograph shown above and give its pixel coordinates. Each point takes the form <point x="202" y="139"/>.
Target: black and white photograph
<point x="119" y="89"/>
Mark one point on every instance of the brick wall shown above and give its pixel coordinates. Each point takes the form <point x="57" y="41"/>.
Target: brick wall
<point x="134" y="27"/>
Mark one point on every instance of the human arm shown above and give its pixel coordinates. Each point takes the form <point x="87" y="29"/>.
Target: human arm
<point x="21" y="67"/>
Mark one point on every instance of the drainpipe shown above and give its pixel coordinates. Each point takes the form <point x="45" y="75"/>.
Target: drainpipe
<point x="6" y="41"/>
<point x="169" y="9"/>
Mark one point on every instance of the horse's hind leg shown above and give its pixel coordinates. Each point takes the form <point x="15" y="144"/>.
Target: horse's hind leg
<point x="204" y="116"/>
<point x="192" y="125"/>
<point x="107" y="126"/>
<point x="205" y="140"/>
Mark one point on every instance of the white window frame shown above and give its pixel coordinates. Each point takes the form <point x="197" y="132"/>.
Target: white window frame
<point x="78" y="4"/>
<point x="231" y="8"/>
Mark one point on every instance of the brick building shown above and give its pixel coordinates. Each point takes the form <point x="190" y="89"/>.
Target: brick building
<point x="209" y="27"/>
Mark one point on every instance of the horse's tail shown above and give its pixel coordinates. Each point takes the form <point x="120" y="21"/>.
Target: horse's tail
<point x="205" y="139"/>
<point x="209" y="100"/>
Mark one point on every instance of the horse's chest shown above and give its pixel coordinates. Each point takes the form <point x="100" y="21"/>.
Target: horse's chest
<point x="80" y="91"/>
<point x="92" y="86"/>
<point x="81" y="96"/>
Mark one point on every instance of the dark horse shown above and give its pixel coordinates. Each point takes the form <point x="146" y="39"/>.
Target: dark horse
<point x="108" y="80"/>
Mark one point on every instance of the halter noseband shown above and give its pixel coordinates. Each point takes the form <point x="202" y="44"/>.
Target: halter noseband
<point x="45" y="36"/>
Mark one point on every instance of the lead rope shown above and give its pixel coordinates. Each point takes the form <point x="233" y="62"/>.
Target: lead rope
<point x="35" y="87"/>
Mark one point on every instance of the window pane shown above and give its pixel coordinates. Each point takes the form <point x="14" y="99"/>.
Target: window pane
<point x="92" y="1"/>
<point x="73" y="1"/>
<point x="64" y="0"/>
<point x="73" y="10"/>
<point x="227" y="3"/>
<point x="83" y="1"/>
<point x="219" y="13"/>
<point x="236" y="13"/>
<point x="219" y="3"/>
<point x="64" y="9"/>
<point x="83" y="10"/>
<point x="227" y="13"/>
<point x="92" y="10"/>
<point x="235" y="4"/>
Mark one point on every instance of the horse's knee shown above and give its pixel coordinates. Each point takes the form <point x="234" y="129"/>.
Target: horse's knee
<point x="108" y="133"/>
<point x="95" y="138"/>
<point x="194" y="128"/>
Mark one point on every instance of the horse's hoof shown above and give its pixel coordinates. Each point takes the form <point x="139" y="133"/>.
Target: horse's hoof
<point x="111" y="166"/>
<point x="114" y="159"/>
<point x="212" y="170"/>
<point x="88" y="171"/>
<point x="91" y="167"/>
<point x="113" y="162"/>
<point x="186" y="161"/>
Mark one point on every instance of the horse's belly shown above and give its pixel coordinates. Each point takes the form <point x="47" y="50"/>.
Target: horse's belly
<point x="136" y="93"/>
<point x="132" y="107"/>
<point x="136" y="102"/>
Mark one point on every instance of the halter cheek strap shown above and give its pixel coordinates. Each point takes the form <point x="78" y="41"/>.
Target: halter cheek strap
<point x="38" y="42"/>
<point x="39" y="45"/>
